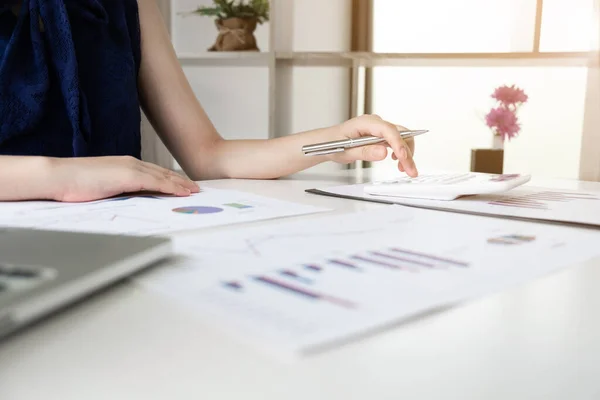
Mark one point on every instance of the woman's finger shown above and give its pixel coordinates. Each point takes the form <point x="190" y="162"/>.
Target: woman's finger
<point x="411" y="145"/>
<point x="390" y="133"/>
<point x="191" y="185"/>
<point x="401" y="150"/>
<point x="154" y="181"/>
<point x="376" y="152"/>
<point x="370" y="125"/>
<point x="179" y="179"/>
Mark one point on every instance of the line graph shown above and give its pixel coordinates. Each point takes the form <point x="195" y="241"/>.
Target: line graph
<point x="258" y="245"/>
<point x="104" y="221"/>
<point x="253" y="244"/>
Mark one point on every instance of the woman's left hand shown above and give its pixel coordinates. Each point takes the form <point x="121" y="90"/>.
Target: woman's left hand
<point x="373" y="125"/>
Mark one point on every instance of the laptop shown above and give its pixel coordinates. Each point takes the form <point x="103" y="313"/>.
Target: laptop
<point x="42" y="271"/>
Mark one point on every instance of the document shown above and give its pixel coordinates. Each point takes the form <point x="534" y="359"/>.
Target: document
<point x="525" y="202"/>
<point x="298" y="287"/>
<point x="150" y="214"/>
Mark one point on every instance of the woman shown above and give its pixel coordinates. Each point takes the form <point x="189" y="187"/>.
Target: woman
<point x="73" y="76"/>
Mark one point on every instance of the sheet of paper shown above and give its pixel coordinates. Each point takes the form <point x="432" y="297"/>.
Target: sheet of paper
<point x="529" y="202"/>
<point x="300" y="286"/>
<point x="150" y="215"/>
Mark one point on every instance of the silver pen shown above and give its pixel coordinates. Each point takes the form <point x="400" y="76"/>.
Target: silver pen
<point x="338" y="146"/>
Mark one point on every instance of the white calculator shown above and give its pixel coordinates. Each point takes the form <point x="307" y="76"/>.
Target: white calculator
<point x="446" y="186"/>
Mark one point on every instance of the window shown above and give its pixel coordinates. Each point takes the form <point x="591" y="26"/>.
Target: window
<point x="541" y="46"/>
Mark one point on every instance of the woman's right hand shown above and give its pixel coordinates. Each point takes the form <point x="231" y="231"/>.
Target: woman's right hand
<point x="95" y="178"/>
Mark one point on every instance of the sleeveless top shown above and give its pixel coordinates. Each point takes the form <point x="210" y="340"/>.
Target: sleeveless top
<point x="68" y="78"/>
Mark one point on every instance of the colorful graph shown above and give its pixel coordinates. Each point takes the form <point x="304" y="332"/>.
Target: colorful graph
<point x="295" y="276"/>
<point x="511" y="239"/>
<point x="313" y="268"/>
<point x="197" y="210"/>
<point x="438" y="261"/>
<point x="408" y="261"/>
<point x="504" y="177"/>
<point x="394" y="259"/>
<point x="344" y="264"/>
<point x="239" y="206"/>
<point x="302" y="292"/>
<point x="540" y="200"/>
<point x="379" y="262"/>
<point x="233" y="285"/>
<point x="304" y="280"/>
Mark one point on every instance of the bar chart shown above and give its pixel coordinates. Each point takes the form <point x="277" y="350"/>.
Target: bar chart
<point x="300" y="280"/>
<point x="542" y="200"/>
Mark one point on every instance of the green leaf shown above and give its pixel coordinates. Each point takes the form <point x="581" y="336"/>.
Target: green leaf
<point x="258" y="9"/>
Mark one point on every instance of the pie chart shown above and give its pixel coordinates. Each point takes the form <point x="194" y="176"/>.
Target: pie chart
<point x="197" y="210"/>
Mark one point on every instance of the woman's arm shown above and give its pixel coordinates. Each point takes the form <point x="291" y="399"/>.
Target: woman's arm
<point x="84" y="178"/>
<point x="181" y="122"/>
<point x="25" y="178"/>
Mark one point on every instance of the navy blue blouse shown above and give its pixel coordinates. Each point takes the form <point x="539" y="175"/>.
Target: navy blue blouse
<point x="68" y="78"/>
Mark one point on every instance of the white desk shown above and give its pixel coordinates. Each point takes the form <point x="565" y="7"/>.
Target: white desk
<point x="540" y="341"/>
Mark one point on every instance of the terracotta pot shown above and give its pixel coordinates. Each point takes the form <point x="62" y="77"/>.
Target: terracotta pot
<point x="235" y="34"/>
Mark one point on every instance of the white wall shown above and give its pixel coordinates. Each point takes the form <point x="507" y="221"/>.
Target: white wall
<point x="320" y="95"/>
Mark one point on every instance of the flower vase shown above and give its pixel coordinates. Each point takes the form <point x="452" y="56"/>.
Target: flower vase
<point x="497" y="142"/>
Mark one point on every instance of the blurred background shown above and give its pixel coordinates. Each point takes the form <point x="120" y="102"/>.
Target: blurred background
<point x="427" y="64"/>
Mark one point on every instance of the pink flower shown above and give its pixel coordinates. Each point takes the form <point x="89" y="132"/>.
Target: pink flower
<point x="510" y="95"/>
<point x="503" y="122"/>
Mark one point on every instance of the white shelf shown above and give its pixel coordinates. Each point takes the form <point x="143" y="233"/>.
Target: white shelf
<point x="369" y="59"/>
<point x="222" y="58"/>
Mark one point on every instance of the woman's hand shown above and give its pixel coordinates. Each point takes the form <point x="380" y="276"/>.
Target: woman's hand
<point x="373" y="125"/>
<point x="94" y="178"/>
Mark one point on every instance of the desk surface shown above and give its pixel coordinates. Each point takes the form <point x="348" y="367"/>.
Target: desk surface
<point x="538" y="341"/>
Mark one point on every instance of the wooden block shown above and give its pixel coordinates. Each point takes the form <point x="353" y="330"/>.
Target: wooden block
<point x="489" y="161"/>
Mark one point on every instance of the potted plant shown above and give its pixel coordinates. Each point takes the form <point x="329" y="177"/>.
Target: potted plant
<point x="504" y="123"/>
<point x="236" y="22"/>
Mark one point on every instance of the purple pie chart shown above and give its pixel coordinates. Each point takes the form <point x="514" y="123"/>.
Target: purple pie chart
<point x="197" y="210"/>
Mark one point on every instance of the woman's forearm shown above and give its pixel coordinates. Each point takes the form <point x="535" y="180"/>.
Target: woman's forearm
<point x="265" y="159"/>
<point x="26" y="178"/>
